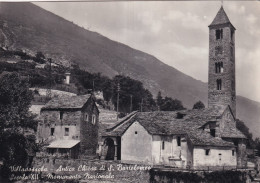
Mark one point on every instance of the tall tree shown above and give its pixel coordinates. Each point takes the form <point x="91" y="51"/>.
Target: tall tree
<point x="170" y="104"/>
<point x="198" y="105"/>
<point x="16" y="123"/>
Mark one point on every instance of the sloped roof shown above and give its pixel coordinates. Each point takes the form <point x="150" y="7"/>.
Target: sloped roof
<point x="202" y="138"/>
<point x="221" y="18"/>
<point x="67" y="102"/>
<point x="167" y="123"/>
<point x="63" y="144"/>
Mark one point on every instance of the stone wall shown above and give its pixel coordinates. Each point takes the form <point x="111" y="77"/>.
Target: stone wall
<point x="171" y="154"/>
<point x="89" y="129"/>
<point x="215" y="157"/>
<point x="88" y="169"/>
<point x="136" y="144"/>
<point x="51" y="119"/>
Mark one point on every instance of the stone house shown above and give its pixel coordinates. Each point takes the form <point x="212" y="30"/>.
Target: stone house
<point x="188" y="138"/>
<point x="70" y="125"/>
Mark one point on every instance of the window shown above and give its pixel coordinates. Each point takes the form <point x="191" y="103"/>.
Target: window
<point x="162" y="145"/>
<point x="231" y="52"/>
<point x="233" y="152"/>
<point x="213" y="132"/>
<point x="86" y="117"/>
<point x="93" y="119"/>
<point x="61" y="115"/>
<point x="219" y="155"/>
<point x="219" y="84"/>
<point x="67" y="132"/>
<point x="233" y="85"/>
<point x="219" y="34"/>
<point x="219" y="67"/>
<point x="207" y="152"/>
<point x="52" y="131"/>
<point x="45" y="120"/>
<point x="232" y="35"/>
<point x="179" y="141"/>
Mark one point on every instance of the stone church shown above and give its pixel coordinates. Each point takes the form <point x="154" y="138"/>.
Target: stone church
<point x="188" y="138"/>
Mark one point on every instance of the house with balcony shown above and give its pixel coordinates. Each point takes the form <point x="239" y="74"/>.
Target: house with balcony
<point x="69" y="125"/>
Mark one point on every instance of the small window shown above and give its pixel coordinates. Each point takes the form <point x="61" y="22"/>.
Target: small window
<point x="219" y="34"/>
<point x="45" y="120"/>
<point x="219" y="67"/>
<point x="179" y="141"/>
<point x="162" y="145"/>
<point x="233" y="85"/>
<point x="207" y="152"/>
<point x="233" y="152"/>
<point x="67" y="132"/>
<point x="135" y="132"/>
<point x="52" y="131"/>
<point x="61" y="115"/>
<point x="213" y="132"/>
<point x="219" y="84"/>
<point x="231" y="35"/>
<point x="93" y="119"/>
<point x="86" y="117"/>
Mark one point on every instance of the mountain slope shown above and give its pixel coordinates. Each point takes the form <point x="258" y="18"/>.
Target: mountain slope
<point x="31" y="28"/>
<point x="28" y="27"/>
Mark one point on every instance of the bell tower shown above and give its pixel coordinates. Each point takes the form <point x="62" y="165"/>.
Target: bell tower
<point x="221" y="78"/>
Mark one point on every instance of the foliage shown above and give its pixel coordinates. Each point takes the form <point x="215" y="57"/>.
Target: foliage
<point x="142" y="99"/>
<point x="170" y="104"/>
<point x="245" y="130"/>
<point x="167" y="103"/>
<point x="15" y="98"/>
<point x="198" y="105"/>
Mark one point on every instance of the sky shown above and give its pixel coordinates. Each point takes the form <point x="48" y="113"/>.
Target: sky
<point x="176" y="32"/>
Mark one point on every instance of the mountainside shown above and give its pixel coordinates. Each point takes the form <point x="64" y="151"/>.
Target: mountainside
<point x="27" y="27"/>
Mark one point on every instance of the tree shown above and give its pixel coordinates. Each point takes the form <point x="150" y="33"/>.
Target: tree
<point x="141" y="97"/>
<point x="170" y="104"/>
<point x="245" y="130"/>
<point x="40" y="55"/>
<point x="16" y="122"/>
<point x="198" y="105"/>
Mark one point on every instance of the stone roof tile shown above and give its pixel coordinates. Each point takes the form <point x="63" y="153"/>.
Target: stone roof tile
<point x="67" y="102"/>
<point x="186" y="122"/>
<point x="220" y="18"/>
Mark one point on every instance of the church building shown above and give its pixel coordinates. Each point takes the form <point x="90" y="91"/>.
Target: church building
<point x="188" y="138"/>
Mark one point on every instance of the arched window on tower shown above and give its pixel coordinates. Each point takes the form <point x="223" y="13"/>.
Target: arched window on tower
<point x="219" y="34"/>
<point x="219" y="84"/>
<point x="219" y="67"/>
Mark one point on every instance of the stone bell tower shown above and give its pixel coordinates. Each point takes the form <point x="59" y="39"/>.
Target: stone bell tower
<point x="221" y="78"/>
